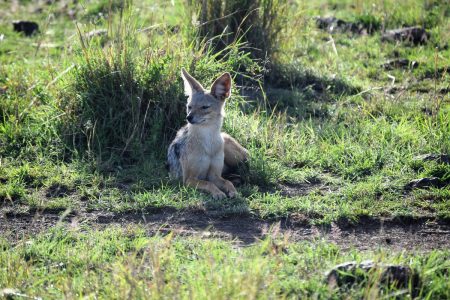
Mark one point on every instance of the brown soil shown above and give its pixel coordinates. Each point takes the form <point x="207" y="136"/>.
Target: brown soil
<point x="418" y="234"/>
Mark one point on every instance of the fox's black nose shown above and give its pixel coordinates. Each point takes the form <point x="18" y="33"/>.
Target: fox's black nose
<point x="189" y="118"/>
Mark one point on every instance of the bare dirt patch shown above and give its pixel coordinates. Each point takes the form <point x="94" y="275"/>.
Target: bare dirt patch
<point x="408" y="234"/>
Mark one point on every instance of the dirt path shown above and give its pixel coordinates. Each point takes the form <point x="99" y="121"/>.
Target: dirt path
<point x="421" y="235"/>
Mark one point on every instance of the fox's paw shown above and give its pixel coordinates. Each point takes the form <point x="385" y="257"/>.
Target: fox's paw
<point x="219" y="195"/>
<point x="232" y="194"/>
<point x="230" y="189"/>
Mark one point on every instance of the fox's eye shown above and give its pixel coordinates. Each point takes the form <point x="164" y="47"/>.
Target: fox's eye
<point x="205" y="107"/>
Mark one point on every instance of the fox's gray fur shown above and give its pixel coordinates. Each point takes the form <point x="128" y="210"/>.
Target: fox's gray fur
<point x="200" y="152"/>
<point x="173" y="155"/>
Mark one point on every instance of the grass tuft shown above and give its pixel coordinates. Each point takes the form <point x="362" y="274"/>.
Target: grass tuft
<point x="256" y="23"/>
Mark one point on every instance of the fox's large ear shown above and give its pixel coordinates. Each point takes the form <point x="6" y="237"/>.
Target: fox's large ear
<point x="221" y="88"/>
<point x="191" y="85"/>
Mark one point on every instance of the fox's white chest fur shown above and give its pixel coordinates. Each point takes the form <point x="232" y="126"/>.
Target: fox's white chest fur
<point x="206" y="147"/>
<point x="207" y="140"/>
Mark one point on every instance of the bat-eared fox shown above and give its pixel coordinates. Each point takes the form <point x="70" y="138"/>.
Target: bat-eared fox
<point x="200" y="153"/>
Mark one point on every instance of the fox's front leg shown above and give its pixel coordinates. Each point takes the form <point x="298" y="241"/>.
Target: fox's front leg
<point x="190" y="178"/>
<point x="206" y="186"/>
<point x="215" y="176"/>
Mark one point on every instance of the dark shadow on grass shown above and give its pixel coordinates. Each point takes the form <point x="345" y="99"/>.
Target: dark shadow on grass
<point x="294" y="76"/>
<point x="301" y="93"/>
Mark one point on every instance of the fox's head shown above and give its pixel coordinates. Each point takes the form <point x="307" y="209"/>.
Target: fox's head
<point x="206" y="107"/>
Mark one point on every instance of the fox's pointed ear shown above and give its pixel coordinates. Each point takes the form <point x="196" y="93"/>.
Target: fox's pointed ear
<point x="191" y="85"/>
<point x="221" y="88"/>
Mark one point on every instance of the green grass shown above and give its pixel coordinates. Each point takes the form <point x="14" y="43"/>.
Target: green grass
<point x="101" y="119"/>
<point x="121" y="263"/>
<point x="333" y="136"/>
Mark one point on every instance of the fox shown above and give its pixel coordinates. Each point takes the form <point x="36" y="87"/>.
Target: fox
<point x="201" y="154"/>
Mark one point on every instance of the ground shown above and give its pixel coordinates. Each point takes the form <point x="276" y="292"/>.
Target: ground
<point x="348" y="133"/>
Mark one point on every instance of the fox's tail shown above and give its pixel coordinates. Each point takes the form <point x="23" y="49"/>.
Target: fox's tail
<point x="235" y="154"/>
<point x="173" y="161"/>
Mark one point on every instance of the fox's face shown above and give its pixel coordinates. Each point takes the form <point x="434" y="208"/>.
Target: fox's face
<point x="206" y="107"/>
<point x="203" y="108"/>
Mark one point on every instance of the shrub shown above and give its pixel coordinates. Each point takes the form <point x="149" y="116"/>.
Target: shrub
<point x="258" y="23"/>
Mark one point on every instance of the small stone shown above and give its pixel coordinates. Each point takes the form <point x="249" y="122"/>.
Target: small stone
<point x="343" y="274"/>
<point x="440" y="158"/>
<point x="351" y="273"/>
<point x="423" y="183"/>
<point x="328" y="23"/>
<point x="9" y="293"/>
<point x="27" y="27"/>
<point x="400" y="63"/>
<point x="333" y="24"/>
<point x="415" y="35"/>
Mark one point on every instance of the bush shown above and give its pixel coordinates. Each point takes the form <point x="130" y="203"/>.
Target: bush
<point x="258" y="23"/>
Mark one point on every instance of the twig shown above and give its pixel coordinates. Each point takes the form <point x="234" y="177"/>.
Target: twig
<point x="145" y="29"/>
<point x="60" y="75"/>
<point x="368" y="90"/>
<point x="333" y="44"/>
<point x="392" y="78"/>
